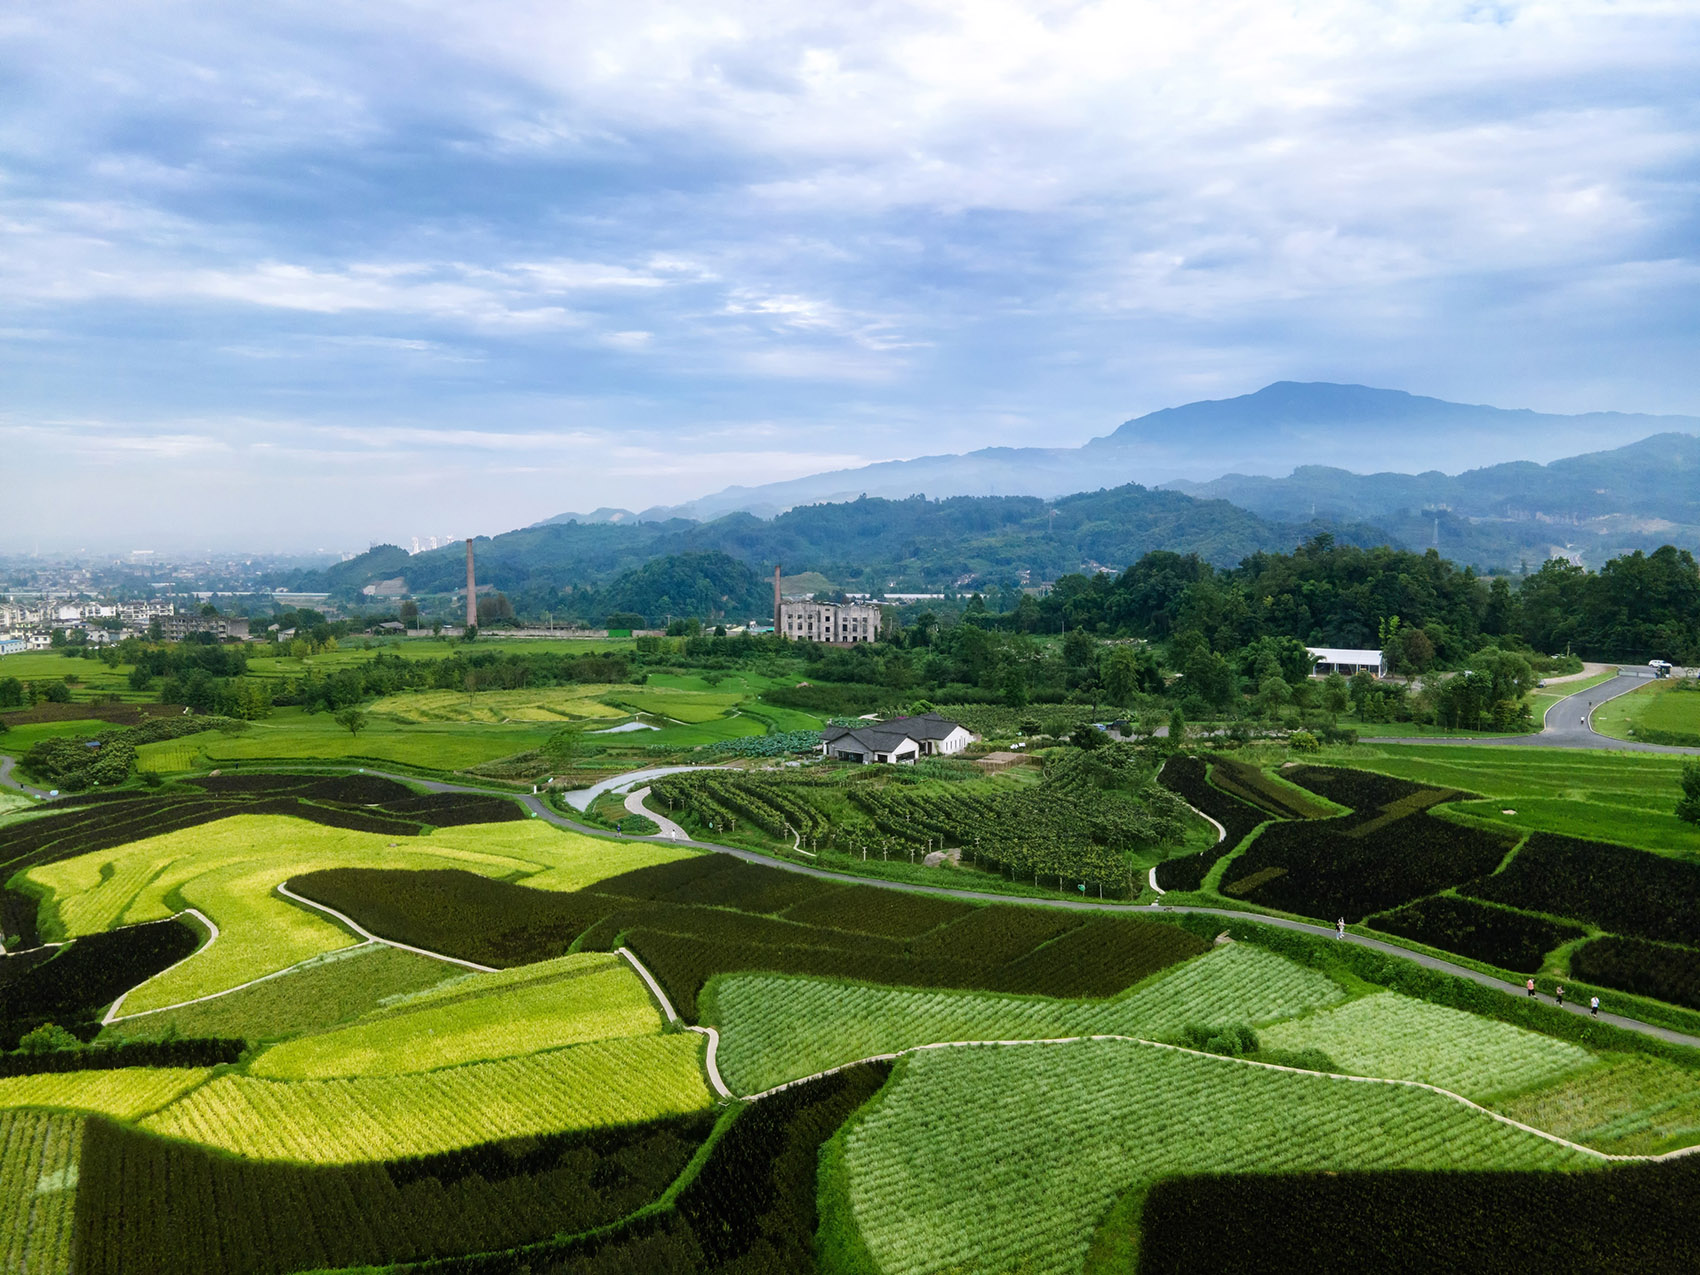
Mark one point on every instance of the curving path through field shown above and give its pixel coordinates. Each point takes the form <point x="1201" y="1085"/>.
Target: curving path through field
<point x="8" y="780"/>
<point x="669" y="829"/>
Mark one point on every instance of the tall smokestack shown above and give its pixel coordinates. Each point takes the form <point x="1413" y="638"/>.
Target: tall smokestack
<point x="471" y="589"/>
<point x="776" y="601"/>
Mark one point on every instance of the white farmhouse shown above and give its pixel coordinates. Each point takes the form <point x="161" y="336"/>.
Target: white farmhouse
<point x="1340" y="659"/>
<point x="903" y="739"/>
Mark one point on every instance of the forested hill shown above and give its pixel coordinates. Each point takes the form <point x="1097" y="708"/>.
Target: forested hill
<point x="572" y="568"/>
<point x="1602" y="504"/>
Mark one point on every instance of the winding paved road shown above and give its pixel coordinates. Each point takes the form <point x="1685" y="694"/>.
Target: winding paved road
<point x="1567" y="724"/>
<point x="8" y="781"/>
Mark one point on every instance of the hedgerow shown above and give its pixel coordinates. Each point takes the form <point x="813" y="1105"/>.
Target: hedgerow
<point x="1498" y="936"/>
<point x="1633" y="892"/>
<point x="1647" y="969"/>
<point x="75" y="986"/>
<point x="1643" y="1217"/>
<point x="1387" y="852"/>
<point x="149" y="1203"/>
<point x="211" y="1052"/>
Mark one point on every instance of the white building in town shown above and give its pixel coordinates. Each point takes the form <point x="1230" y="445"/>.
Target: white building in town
<point x="837" y="622"/>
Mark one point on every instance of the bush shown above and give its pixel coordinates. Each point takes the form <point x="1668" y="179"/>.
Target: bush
<point x="46" y="1038"/>
<point x="1233" y="1041"/>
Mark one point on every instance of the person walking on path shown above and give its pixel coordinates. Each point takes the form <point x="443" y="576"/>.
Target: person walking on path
<point x="1340" y="928"/>
<point x="1531" y="986"/>
<point x="1594" y="1006"/>
<point x="1561" y="995"/>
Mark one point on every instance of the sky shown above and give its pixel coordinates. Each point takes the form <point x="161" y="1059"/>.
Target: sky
<point x="313" y="276"/>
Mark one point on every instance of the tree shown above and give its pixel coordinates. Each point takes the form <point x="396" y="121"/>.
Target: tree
<point x="410" y="614"/>
<point x="1087" y="736"/>
<point x="11" y="692"/>
<point x="1689" y="807"/>
<point x="352" y="719"/>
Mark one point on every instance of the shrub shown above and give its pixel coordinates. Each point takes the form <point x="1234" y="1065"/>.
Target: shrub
<point x="46" y="1038"/>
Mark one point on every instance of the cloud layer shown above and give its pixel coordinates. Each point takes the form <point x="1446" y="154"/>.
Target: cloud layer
<point x="313" y="275"/>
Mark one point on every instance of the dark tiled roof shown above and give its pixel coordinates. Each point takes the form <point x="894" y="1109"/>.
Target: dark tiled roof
<point x="885" y="737"/>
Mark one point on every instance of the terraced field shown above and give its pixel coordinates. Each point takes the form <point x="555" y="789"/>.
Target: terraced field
<point x="592" y="996"/>
<point x="38" y="1189"/>
<point x="605" y="1082"/>
<point x="775" y="1029"/>
<point x="1404" y="1039"/>
<point x="937" y="1180"/>
<point x="550" y="704"/>
<point x="229" y="870"/>
<point x="128" y="1094"/>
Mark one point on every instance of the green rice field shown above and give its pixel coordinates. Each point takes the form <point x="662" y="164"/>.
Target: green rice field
<point x="1659" y="705"/>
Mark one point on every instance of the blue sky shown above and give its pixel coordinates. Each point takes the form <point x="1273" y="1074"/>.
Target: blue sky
<point x="310" y="275"/>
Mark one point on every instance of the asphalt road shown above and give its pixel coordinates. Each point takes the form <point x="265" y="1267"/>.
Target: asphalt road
<point x="1568" y="724"/>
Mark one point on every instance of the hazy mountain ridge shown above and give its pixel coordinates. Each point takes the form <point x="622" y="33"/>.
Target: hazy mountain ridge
<point x="867" y="543"/>
<point x="1271" y="432"/>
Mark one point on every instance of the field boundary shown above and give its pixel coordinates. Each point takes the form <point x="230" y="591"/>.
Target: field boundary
<point x="1243" y="1062"/>
<point x="114" y="1017"/>
<point x="212" y="937"/>
<point x="711" y="1063"/>
<point x="363" y="932"/>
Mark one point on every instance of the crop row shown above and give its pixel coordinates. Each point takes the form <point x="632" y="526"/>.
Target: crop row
<point x="75" y="986"/>
<point x="1250" y="784"/>
<point x="148" y="1203"/>
<point x="1636" y="1218"/>
<point x="1189" y="778"/>
<point x="1081" y="823"/>
<point x="605" y="1082"/>
<point x="38" y="1189"/>
<point x="750" y="1209"/>
<point x="1374" y="859"/>
<point x="775" y="1029"/>
<point x="1646" y="969"/>
<point x="938" y="1183"/>
<point x="1511" y="940"/>
<point x="1406" y="1039"/>
<point x="1633" y="892"/>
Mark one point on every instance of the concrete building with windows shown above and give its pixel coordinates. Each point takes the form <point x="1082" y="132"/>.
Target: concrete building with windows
<point x="901" y="740"/>
<point x="840" y="623"/>
<point x="1336" y="659"/>
<point x="177" y="627"/>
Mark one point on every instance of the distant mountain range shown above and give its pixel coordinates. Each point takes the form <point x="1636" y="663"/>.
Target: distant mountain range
<point x="963" y="542"/>
<point x="1593" y="506"/>
<point x="1278" y="429"/>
